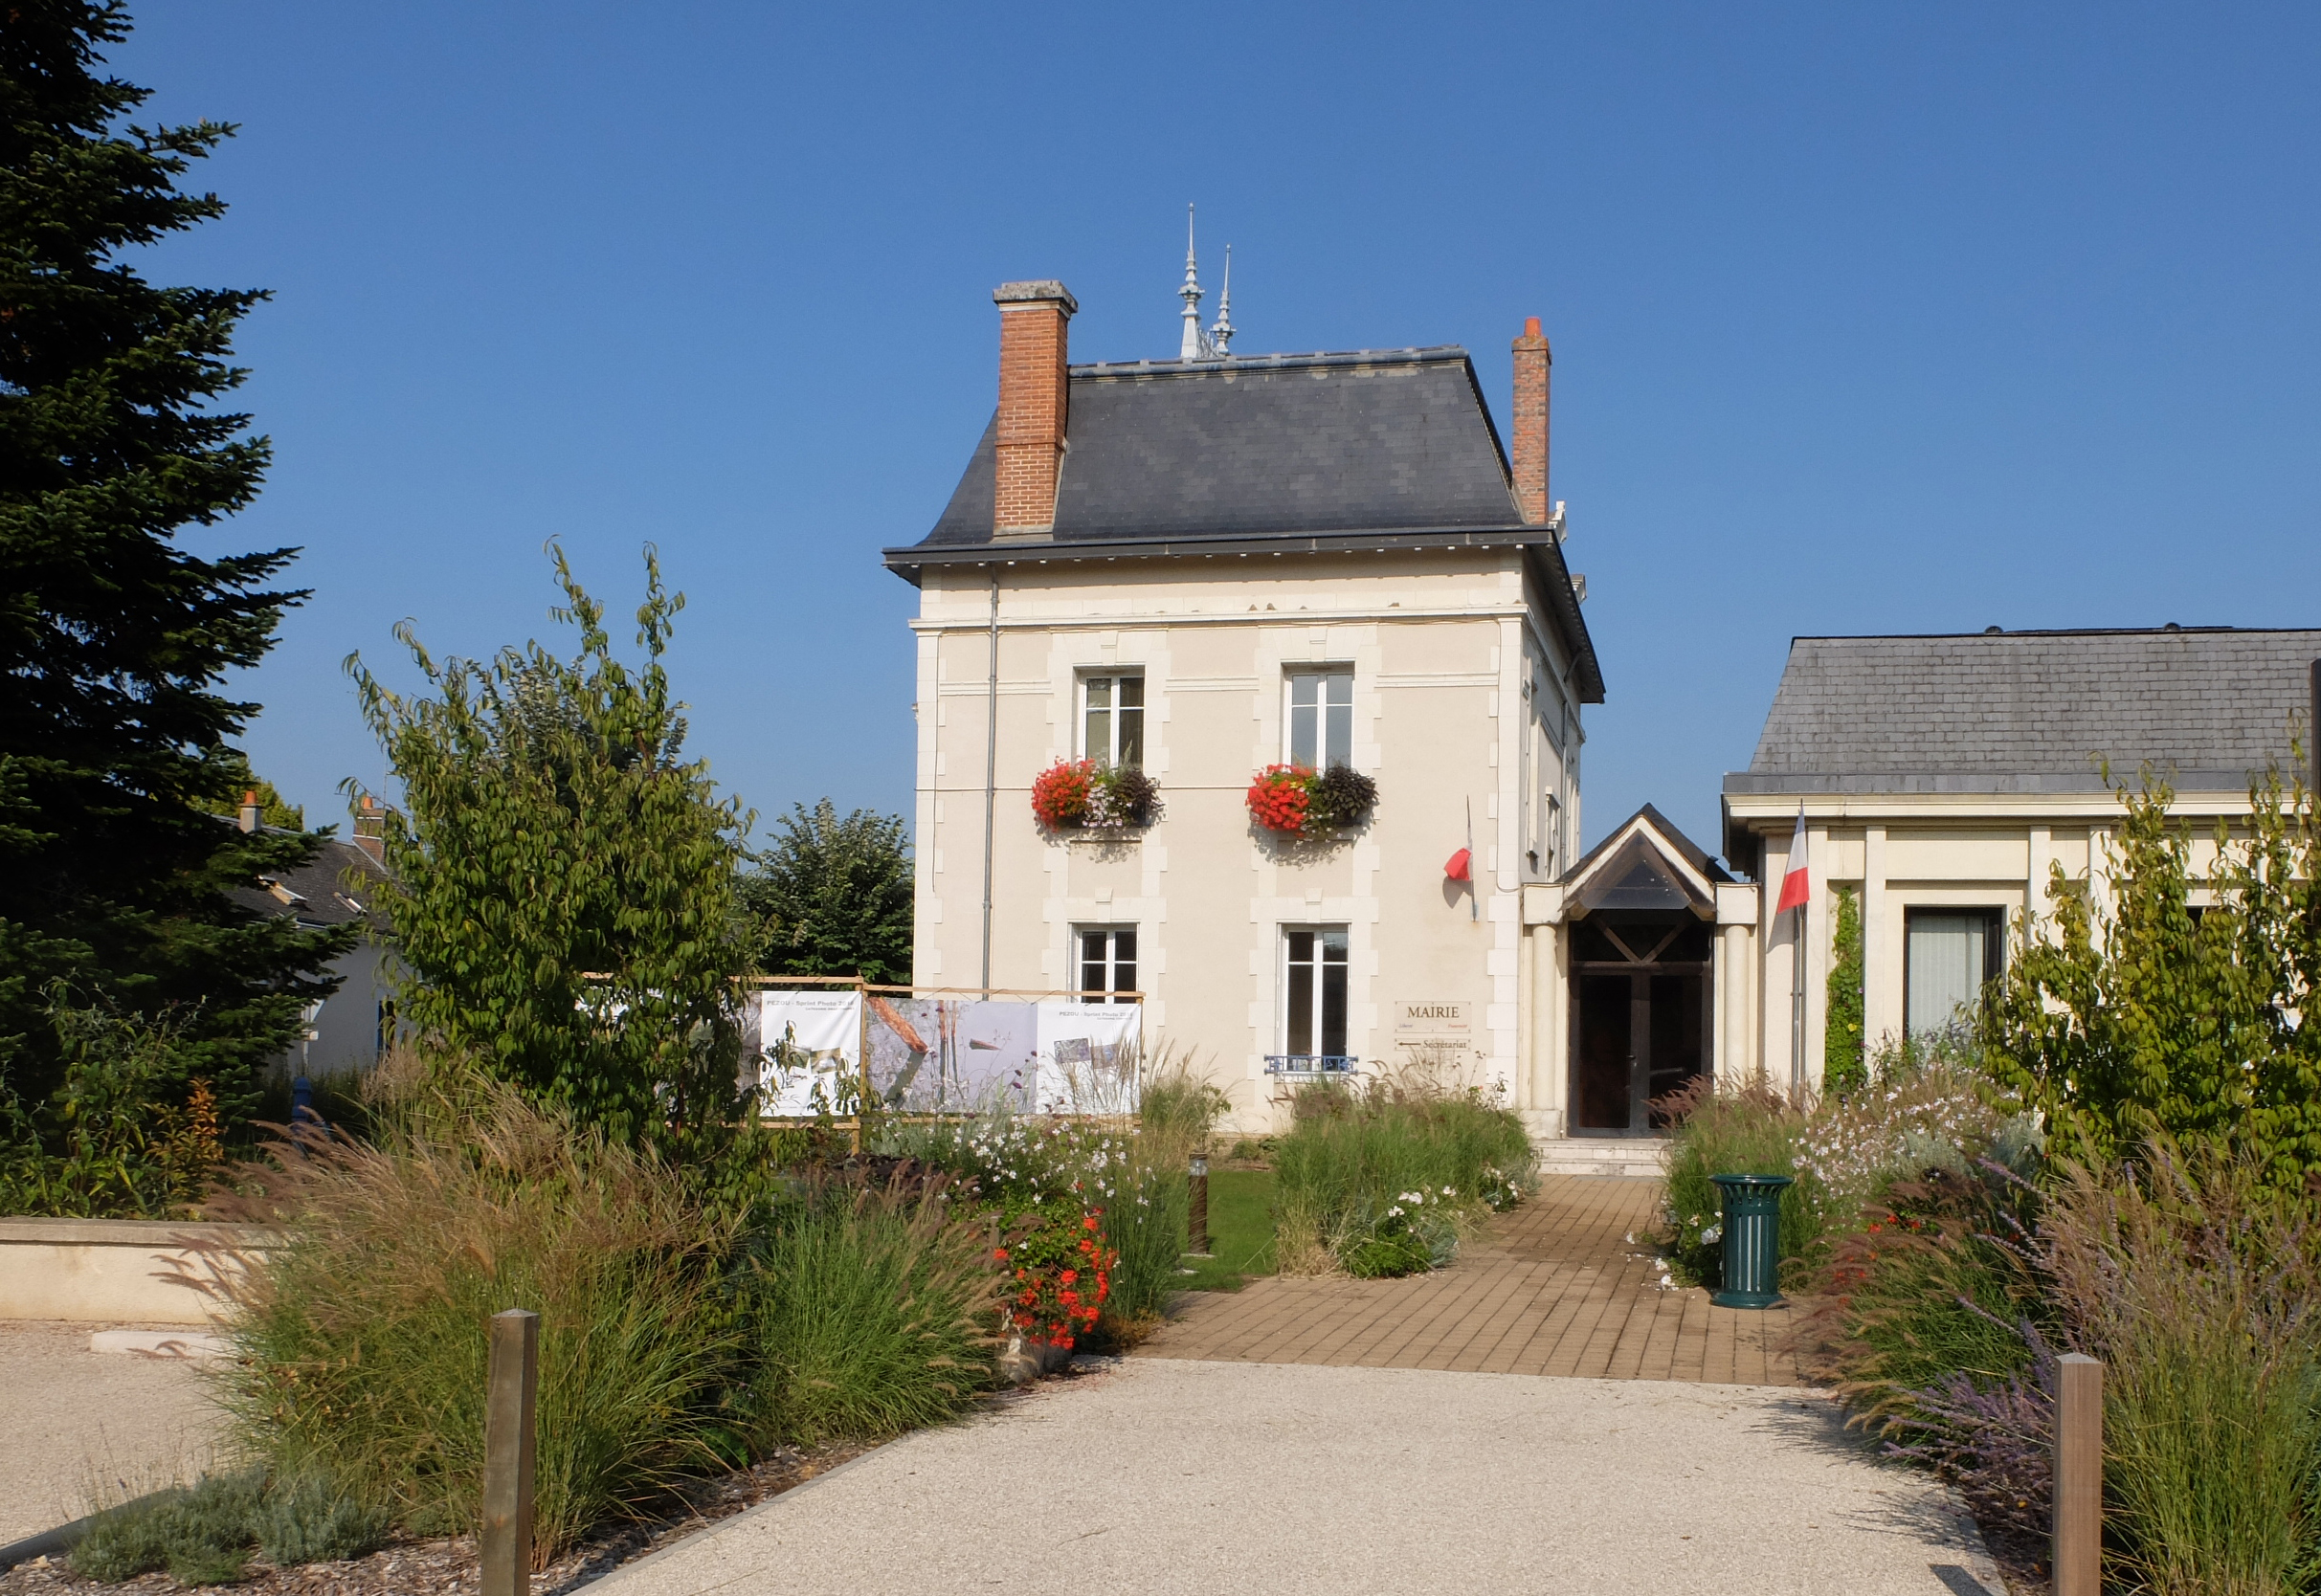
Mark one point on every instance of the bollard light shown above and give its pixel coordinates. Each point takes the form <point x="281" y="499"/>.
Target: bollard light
<point x="1196" y="1212"/>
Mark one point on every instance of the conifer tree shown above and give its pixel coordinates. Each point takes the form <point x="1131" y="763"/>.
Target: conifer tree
<point x="114" y="638"/>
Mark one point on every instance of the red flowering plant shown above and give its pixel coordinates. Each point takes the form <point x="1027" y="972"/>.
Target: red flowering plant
<point x="1281" y="796"/>
<point x="1062" y="1269"/>
<point x="1059" y="793"/>
<point x="1298" y="800"/>
<point x="1042" y="1187"/>
<point x="1075" y="792"/>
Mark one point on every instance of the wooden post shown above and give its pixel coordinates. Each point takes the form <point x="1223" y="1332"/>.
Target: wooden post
<point x="1197" y="1217"/>
<point x="2078" y="1476"/>
<point x="507" y="1454"/>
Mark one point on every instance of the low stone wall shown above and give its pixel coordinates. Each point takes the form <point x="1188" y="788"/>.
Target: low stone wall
<point x="108" y="1271"/>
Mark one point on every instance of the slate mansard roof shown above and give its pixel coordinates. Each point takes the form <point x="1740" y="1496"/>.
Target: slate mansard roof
<point x="1371" y="450"/>
<point x="2030" y="711"/>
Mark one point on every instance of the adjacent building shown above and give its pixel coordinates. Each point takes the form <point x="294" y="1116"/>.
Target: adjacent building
<point x="1942" y="777"/>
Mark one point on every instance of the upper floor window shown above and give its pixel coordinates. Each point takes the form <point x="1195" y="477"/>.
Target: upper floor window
<point x="1112" y="719"/>
<point x="1319" y="725"/>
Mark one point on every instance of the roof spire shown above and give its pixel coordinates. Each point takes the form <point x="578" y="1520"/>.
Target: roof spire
<point x="1196" y="345"/>
<point x="1220" y="336"/>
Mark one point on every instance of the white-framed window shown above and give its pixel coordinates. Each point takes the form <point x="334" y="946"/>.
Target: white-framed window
<point x="1105" y="956"/>
<point x="1949" y="954"/>
<point x="1314" y="990"/>
<point x="1112" y="718"/>
<point x="1318" y="717"/>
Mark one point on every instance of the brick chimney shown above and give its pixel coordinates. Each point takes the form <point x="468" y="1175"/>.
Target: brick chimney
<point x="370" y="829"/>
<point x="249" y="817"/>
<point x="1033" y="404"/>
<point x="1531" y="422"/>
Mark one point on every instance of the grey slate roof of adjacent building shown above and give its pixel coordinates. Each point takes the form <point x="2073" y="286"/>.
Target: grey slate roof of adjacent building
<point x="1372" y="449"/>
<point x="2031" y="711"/>
<point x="339" y="885"/>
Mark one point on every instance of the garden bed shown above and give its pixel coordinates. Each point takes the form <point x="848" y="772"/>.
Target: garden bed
<point x="447" y="1566"/>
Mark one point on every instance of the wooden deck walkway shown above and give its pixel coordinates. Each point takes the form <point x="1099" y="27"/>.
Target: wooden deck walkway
<point x="1554" y="1289"/>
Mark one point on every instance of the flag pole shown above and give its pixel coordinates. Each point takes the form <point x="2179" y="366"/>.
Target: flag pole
<point x="1796" y="893"/>
<point x="1473" y="877"/>
<point x="1797" y="1007"/>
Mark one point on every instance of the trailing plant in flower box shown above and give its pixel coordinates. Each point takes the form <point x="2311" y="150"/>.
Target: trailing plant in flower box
<point x="1075" y="793"/>
<point x="1297" y="800"/>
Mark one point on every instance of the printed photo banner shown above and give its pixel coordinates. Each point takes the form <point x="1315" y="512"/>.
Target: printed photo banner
<point x="1089" y="1057"/>
<point x="946" y="1054"/>
<point x="812" y="1043"/>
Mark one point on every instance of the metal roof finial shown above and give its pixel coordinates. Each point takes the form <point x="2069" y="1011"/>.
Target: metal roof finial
<point x="1196" y="345"/>
<point x="1220" y="336"/>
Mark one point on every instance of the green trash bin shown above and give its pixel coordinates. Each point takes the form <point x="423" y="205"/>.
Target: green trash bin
<point x="1753" y="1240"/>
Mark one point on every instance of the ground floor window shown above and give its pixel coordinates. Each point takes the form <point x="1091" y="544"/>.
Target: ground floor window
<point x="1107" y="959"/>
<point x="1313" y="992"/>
<point x="1950" y="953"/>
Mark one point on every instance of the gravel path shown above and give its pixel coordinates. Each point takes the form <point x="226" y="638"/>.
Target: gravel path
<point x="1168" y="1476"/>
<point x="73" y="1421"/>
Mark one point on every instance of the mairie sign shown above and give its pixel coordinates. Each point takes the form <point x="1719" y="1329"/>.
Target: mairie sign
<point x="1434" y="1020"/>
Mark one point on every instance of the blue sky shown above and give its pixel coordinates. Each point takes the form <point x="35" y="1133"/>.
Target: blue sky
<point x="1902" y="318"/>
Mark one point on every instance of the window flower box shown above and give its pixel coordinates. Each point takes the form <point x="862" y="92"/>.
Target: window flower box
<point x="1085" y="794"/>
<point x="1298" y="801"/>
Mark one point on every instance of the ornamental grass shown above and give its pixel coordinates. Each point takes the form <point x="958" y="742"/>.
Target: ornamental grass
<point x="360" y="1346"/>
<point x="871" y="1311"/>
<point x="1388" y="1179"/>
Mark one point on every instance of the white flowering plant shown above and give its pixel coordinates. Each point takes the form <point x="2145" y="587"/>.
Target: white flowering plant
<point x="1417" y="1231"/>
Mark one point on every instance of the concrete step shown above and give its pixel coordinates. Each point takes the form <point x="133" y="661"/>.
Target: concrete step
<point x="1640" y="1157"/>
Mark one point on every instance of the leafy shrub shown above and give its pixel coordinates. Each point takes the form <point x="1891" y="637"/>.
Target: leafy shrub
<point x="1845" y="1065"/>
<point x="2144" y="1014"/>
<point x="361" y="1344"/>
<point x="310" y="1519"/>
<point x="1350" y="1155"/>
<point x="562" y="877"/>
<point x="201" y="1534"/>
<point x="871" y="1312"/>
<point x="129" y="1134"/>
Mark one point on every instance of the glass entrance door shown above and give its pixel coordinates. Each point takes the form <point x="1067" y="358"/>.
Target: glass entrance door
<point x="1639" y="1019"/>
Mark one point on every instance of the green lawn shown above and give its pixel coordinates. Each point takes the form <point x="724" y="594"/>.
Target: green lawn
<point x="1240" y="1231"/>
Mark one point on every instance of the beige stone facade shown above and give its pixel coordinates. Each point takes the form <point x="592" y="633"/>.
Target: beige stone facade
<point x="1462" y="700"/>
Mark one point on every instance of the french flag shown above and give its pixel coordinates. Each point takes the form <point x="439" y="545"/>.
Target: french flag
<point x="1797" y="886"/>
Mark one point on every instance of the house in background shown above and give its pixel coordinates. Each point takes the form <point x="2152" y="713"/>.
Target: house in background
<point x="1943" y="777"/>
<point x="346" y="1030"/>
